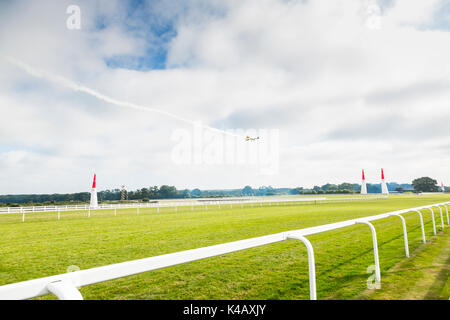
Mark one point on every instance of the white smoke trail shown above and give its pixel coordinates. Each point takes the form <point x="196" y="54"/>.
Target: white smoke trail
<point x="77" y="87"/>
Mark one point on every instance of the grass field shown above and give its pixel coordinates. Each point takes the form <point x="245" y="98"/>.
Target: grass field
<point x="44" y="246"/>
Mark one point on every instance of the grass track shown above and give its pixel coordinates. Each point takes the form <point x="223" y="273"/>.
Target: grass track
<point x="426" y="275"/>
<point x="44" y="246"/>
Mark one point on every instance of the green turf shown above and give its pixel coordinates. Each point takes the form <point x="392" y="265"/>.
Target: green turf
<point x="424" y="276"/>
<point x="43" y="246"/>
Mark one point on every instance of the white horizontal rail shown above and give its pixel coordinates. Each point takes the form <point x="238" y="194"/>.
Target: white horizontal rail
<point x="63" y="285"/>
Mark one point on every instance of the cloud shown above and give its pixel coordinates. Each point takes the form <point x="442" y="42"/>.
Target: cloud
<point x="343" y="95"/>
<point x="414" y="91"/>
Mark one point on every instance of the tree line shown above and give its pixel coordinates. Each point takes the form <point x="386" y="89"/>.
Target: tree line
<point x="424" y="184"/>
<point x="143" y="194"/>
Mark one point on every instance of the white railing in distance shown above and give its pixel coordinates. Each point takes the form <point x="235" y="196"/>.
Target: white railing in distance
<point x="62" y="208"/>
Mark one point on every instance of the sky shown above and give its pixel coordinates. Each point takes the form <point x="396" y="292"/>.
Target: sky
<point x="148" y="93"/>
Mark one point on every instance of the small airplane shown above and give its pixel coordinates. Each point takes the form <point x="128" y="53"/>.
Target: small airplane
<point x="247" y="138"/>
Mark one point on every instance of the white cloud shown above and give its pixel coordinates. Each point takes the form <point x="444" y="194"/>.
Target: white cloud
<point x="413" y="13"/>
<point x="343" y="95"/>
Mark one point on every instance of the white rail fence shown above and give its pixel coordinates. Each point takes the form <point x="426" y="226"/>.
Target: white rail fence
<point x="65" y="286"/>
<point x="192" y="204"/>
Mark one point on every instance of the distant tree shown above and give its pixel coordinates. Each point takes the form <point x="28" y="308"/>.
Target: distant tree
<point x="145" y="193"/>
<point x="345" y="186"/>
<point x="247" y="191"/>
<point x="184" y="193"/>
<point x="329" y="187"/>
<point x="168" y="192"/>
<point x="373" y="188"/>
<point x="425" y="184"/>
<point x="298" y="190"/>
<point x="153" y="192"/>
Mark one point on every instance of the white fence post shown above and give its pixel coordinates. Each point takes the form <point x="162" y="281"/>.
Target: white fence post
<point x="115" y="212"/>
<point x="375" y="250"/>
<point x="421" y="225"/>
<point x="64" y="290"/>
<point x="432" y="218"/>
<point x="59" y="214"/>
<point x="89" y="212"/>
<point x="442" y="219"/>
<point x="446" y="210"/>
<point x="23" y="215"/>
<point x="311" y="265"/>
<point x="405" y="234"/>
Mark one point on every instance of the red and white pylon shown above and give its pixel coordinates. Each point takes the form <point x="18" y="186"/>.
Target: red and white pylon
<point x="442" y="186"/>
<point x="384" y="189"/>
<point x="363" y="184"/>
<point x="94" y="202"/>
